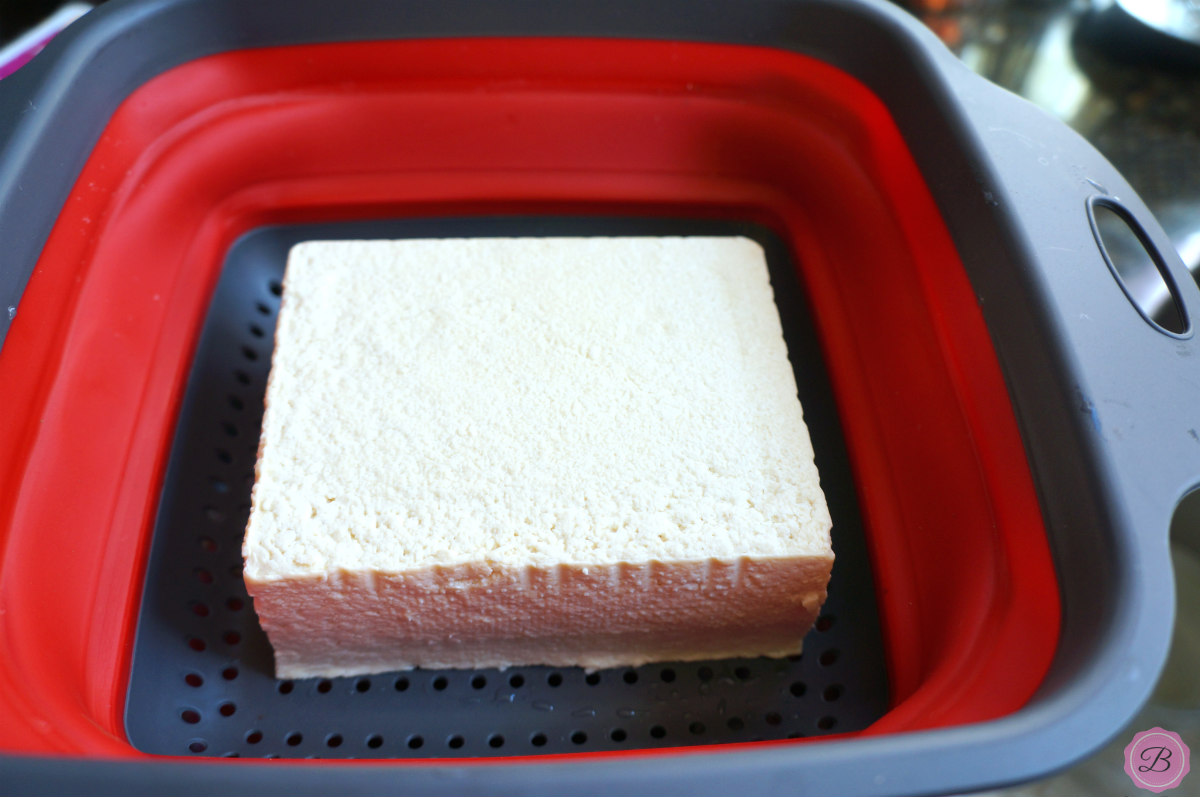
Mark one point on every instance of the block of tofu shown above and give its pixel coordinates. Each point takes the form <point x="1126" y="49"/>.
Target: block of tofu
<point x="522" y="451"/>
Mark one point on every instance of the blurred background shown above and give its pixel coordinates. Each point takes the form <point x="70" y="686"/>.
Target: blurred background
<point x="18" y="16"/>
<point x="1125" y="74"/>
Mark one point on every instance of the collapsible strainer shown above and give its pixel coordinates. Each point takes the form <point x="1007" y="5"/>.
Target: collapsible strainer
<point x="1003" y="430"/>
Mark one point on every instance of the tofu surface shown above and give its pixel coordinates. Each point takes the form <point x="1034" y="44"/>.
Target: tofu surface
<point x="523" y="451"/>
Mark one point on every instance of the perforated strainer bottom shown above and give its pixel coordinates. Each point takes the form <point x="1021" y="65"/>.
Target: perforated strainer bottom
<point x="202" y="674"/>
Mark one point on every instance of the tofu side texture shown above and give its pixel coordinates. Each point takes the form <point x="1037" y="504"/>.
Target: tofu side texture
<point x="532" y="451"/>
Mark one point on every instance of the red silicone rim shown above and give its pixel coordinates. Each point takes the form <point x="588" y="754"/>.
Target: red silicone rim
<point x="95" y="362"/>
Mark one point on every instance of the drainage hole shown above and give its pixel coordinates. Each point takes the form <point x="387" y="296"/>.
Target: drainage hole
<point x="735" y="724"/>
<point x="415" y="742"/>
<point x="773" y="718"/>
<point x="538" y="740"/>
<point x="798" y="688"/>
<point x="194" y="679"/>
<point x="696" y="728"/>
<point x="286" y="687"/>
<point x="232" y="637"/>
<point x="495" y="740"/>
<point x="214" y="514"/>
<point x="705" y="673"/>
<point x="229" y="673"/>
<point x="241" y="376"/>
<point x="401" y="684"/>
<point x="254" y="737"/>
<point x="294" y="738"/>
<point x="362" y="685"/>
<point x="742" y="673"/>
<point x="825" y="622"/>
<point x="554" y="679"/>
<point x="324" y="685"/>
<point x="827" y="723"/>
<point x="658" y="731"/>
<point x="828" y="657"/>
<point x="276" y="288"/>
<point x="478" y="682"/>
<point x="229" y="429"/>
<point x="832" y="692"/>
<point x="224" y="456"/>
<point x="197" y="644"/>
<point x="262" y="308"/>
<point x="618" y="735"/>
<point x="236" y="403"/>
<point x="199" y="609"/>
<point x="203" y="576"/>
<point x="375" y="741"/>
<point x="516" y="681"/>
<point x="333" y="740"/>
<point x="234" y="604"/>
<point x="198" y="746"/>
<point x="249" y="353"/>
<point x="668" y="675"/>
<point x="256" y="330"/>
<point x="190" y="716"/>
<point x="579" y="737"/>
<point x="227" y="709"/>
<point x="455" y="742"/>
<point x="592" y="678"/>
<point x="440" y="683"/>
<point x="630" y="677"/>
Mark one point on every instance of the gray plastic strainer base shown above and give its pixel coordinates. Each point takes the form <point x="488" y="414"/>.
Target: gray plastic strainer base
<point x="202" y="675"/>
